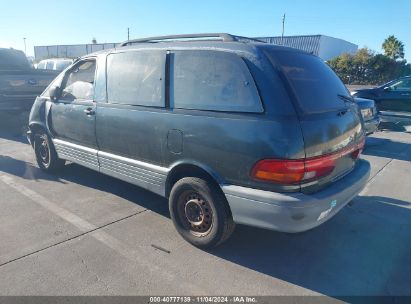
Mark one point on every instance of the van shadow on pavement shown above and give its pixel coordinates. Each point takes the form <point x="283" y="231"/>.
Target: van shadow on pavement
<point x="89" y="178"/>
<point x="358" y="252"/>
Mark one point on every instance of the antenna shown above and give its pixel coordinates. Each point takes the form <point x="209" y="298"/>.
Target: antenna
<point x="25" y="49"/>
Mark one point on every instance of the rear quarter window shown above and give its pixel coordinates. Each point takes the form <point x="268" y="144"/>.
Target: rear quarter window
<point x="314" y="84"/>
<point x="212" y="80"/>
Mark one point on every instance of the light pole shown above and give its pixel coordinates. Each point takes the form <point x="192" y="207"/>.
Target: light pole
<point x="282" y="33"/>
<point x="25" y="50"/>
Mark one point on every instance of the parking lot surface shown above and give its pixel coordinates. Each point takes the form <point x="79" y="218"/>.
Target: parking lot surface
<point x="83" y="233"/>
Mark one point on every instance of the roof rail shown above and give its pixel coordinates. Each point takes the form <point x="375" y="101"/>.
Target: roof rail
<point x="217" y="36"/>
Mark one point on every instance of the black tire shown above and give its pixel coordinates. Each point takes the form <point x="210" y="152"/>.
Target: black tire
<point x="46" y="154"/>
<point x="200" y="212"/>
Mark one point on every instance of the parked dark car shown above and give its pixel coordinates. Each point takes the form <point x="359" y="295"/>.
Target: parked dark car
<point x="229" y="130"/>
<point x="393" y="99"/>
<point x="19" y="83"/>
<point x="369" y="114"/>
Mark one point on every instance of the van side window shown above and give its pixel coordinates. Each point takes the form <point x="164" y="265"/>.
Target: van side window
<point x="79" y="82"/>
<point x="136" y="78"/>
<point x="212" y="80"/>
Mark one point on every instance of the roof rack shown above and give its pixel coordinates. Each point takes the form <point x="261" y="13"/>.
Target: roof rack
<point x="214" y="36"/>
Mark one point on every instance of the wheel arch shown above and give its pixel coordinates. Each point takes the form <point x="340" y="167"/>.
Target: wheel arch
<point x="191" y="169"/>
<point x="36" y="127"/>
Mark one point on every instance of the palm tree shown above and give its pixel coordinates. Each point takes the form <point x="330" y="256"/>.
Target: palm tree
<point x="393" y="48"/>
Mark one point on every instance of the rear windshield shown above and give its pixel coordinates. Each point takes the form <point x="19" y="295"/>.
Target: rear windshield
<point x="313" y="82"/>
<point x="13" y="60"/>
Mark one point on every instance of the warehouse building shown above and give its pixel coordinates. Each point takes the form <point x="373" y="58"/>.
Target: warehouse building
<point x="69" y="51"/>
<point x="322" y="46"/>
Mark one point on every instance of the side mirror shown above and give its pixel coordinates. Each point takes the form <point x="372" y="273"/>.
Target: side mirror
<point x="386" y="89"/>
<point x="55" y="93"/>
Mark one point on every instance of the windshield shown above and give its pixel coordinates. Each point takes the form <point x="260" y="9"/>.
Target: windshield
<point x="13" y="60"/>
<point x="316" y="87"/>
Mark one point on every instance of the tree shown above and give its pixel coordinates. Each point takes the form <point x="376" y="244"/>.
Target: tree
<point x="353" y="69"/>
<point x="393" y="48"/>
<point x="366" y="67"/>
<point x="383" y="69"/>
<point x="94" y="40"/>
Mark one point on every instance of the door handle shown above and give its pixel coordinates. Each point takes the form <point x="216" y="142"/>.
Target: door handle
<point x="405" y="94"/>
<point x="89" y="111"/>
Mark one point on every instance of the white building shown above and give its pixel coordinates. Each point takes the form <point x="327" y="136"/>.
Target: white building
<point x="69" y="51"/>
<point x="322" y="46"/>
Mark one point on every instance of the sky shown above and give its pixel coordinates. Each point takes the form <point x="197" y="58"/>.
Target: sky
<point x="363" y="22"/>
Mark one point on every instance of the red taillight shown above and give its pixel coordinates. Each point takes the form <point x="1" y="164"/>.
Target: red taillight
<point x="281" y="171"/>
<point x="290" y="171"/>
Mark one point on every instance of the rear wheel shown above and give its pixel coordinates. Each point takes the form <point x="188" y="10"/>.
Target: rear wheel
<point x="200" y="212"/>
<point x="46" y="154"/>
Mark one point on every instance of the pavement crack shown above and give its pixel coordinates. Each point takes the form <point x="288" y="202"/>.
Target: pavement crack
<point x="371" y="180"/>
<point x="73" y="237"/>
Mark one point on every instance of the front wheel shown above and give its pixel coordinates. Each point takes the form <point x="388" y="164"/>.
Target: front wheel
<point x="46" y="154"/>
<point x="200" y="212"/>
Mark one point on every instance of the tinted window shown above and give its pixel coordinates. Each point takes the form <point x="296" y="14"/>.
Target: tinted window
<point x="313" y="82"/>
<point x="136" y="78"/>
<point x="401" y="85"/>
<point x="79" y="83"/>
<point x="208" y="80"/>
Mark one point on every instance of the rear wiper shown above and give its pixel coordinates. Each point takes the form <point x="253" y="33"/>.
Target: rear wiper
<point x="346" y="98"/>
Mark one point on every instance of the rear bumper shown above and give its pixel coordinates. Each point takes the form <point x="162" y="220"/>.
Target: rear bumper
<point x="372" y="125"/>
<point x="294" y="212"/>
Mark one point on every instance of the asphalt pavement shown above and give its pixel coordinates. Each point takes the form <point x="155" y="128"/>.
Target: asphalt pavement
<point x="84" y="233"/>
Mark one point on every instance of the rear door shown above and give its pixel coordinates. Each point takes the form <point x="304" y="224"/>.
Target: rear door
<point x="72" y="116"/>
<point x="127" y="123"/>
<point x="130" y="125"/>
<point x="330" y="121"/>
<point x="396" y="97"/>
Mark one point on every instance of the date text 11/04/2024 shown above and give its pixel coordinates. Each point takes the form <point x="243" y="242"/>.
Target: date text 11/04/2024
<point x="203" y="299"/>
